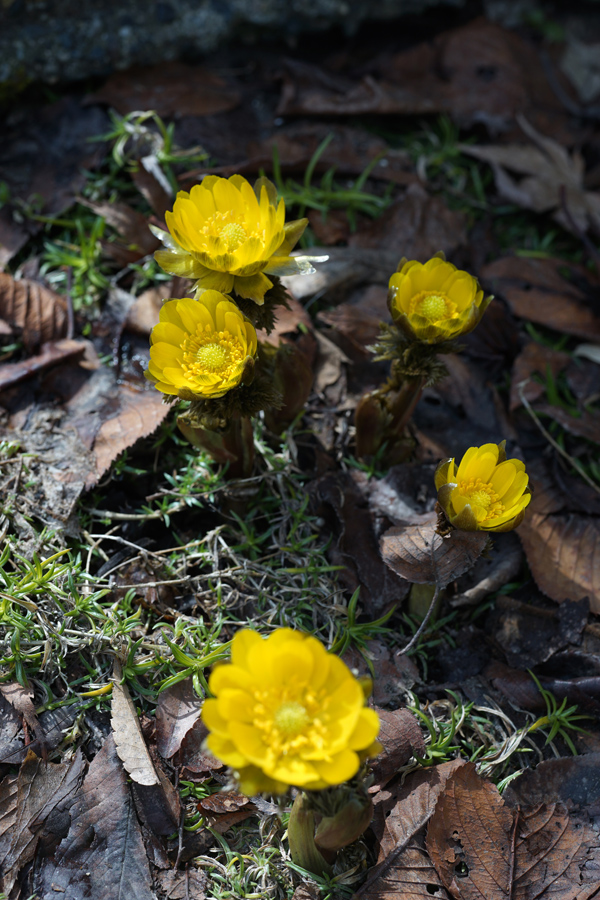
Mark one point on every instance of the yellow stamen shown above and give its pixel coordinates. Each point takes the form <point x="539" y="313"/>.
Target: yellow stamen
<point x="483" y="499"/>
<point x="291" y="718"/>
<point x="234" y="234"/>
<point x="215" y="352"/>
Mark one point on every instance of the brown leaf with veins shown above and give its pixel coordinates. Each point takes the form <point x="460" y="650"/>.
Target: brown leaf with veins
<point x="103" y="855"/>
<point x="548" y="169"/>
<point x="140" y="414"/>
<point x="177" y="712"/>
<point x="419" y="554"/>
<point x="563" y="553"/>
<point x="484" y="850"/>
<point x="403" y="869"/>
<point x="41" y="787"/>
<point x="38" y="314"/>
<point x="538" y="290"/>
<point x="129" y="741"/>
<point x="401" y="737"/>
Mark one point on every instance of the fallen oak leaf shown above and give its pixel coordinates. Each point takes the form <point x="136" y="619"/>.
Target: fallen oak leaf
<point x="481" y="848"/>
<point x="103" y="855"/>
<point x="562" y="552"/>
<point x="547" y="168"/>
<point x="401" y="814"/>
<point x="420" y="555"/>
<point x="41" y="787"/>
<point x="140" y="413"/>
<point x="37" y="313"/>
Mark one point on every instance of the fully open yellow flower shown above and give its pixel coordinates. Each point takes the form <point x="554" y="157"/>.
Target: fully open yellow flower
<point x="227" y="235"/>
<point x="200" y="347"/>
<point x="436" y="301"/>
<point x="487" y="492"/>
<point x="287" y="712"/>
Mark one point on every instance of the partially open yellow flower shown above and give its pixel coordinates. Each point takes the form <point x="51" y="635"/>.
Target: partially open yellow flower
<point x="436" y="301"/>
<point x="487" y="492"/>
<point x="227" y="235"/>
<point x="287" y="712"/>
<point x="200" y="348"/>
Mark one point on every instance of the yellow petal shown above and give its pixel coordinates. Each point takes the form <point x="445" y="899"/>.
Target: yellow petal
<point x="340" y="768"/>
<point x="365" y="731"/>
<point x="242" y="641"/>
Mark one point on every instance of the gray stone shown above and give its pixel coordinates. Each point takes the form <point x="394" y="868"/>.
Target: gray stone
<point x="65" y="40"/>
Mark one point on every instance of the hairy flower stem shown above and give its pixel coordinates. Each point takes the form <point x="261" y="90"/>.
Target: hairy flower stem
<point x="382" y="416"/>
<point x="301" y="837"/>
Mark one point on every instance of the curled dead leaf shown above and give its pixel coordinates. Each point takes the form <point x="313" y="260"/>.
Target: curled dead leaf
<point x="419" y="554"/>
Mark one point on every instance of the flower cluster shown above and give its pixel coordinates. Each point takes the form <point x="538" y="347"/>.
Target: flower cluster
<point x="486" y="492"/>
<point x="435" y="302"/>
<point x="227" y="236"/>
<point x="286" y="712"/>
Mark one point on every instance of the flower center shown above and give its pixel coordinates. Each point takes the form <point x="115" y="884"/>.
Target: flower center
<point x="233" y="234"/>
<point x="213" y="356"/>
<point x="483" y="499"/>
<point x="433" y="307"/>
<point x="212" y="352"/>
<point x="291" y="718"/>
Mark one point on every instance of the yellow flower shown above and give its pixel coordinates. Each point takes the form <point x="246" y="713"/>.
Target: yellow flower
<point x="287" y="712"/>
<point x="227" y="235"/>
<point x="200" y="347"/>
<point x="488" y="492"/>
<point x="436" y="301"/>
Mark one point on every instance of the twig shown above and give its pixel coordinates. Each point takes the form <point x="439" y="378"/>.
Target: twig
<point x="424" y="623"/>
<point x="579" y="468"/>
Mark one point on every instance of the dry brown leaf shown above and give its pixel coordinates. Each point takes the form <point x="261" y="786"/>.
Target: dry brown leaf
<point x="417" y="226"/>
<point x="188" y="885"/>
<point x="21" y="699"/>
<point x="42" y="788"/>
<point x="129" y="741"/>
<point x="419" y="554"/>
<point x="140" y="413"/>
<point x="483" y="849"/>
<point x="171" y="89"/>
<point x="177" y="711"/>
<point x="401" y="737"/>
<point x="51" y="354"/>
<point x="225" y="809"/>
<point x="548" y="171"/>
<point x="534" y="358"/>
<point x="131" y="226"/>
<point x="195" y="760"/>
<point x="537" y="289"/>
<point x="103" y="855"/>
<point x="144" y="312"/>
<point x="585" y="425"/>
<point x="35" y="312"/>
<point x="403" y="869"/>
<point x="563" y="552"/>
<point x="339" y="501"/>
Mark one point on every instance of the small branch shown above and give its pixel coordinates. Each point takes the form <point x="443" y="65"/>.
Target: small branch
<point x="424" y="623"/>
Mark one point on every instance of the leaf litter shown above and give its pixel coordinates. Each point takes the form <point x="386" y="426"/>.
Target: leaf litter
<point x="79" y="468"/>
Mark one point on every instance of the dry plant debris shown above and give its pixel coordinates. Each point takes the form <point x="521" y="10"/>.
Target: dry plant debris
<point x="107" y="787"/>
